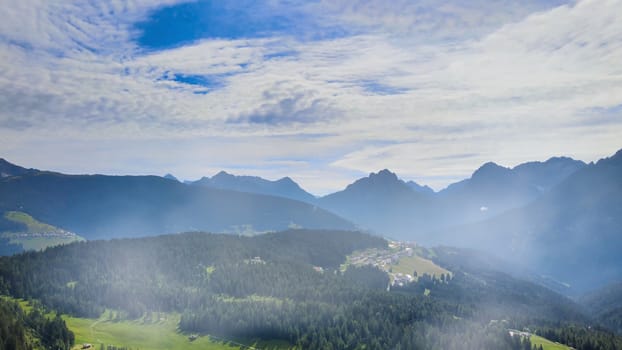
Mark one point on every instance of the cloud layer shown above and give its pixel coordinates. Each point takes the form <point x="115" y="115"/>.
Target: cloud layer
<point x="322" y="91"/>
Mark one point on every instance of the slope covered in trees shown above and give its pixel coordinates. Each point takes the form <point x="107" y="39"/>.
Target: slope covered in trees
<point x="271" y="287"/>
<point x="20" y="330"/>
<point x="98" y="206"/>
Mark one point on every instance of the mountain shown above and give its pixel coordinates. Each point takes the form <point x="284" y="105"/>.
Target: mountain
<point x="170" y="177"/>
<point x="386" y="204"/>
<point x="421" y="189"/>
<point x="605" y="305"/>
<point x="493" y="189"/>
<point x="98" y="206"/>
<point x="573" y="232"/>
<point x="8" y="169"/>
<point x="380" y="202"/>
<point x="285" y="187"/>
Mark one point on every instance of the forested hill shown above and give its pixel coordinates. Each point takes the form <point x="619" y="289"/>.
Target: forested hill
<point x="289" y="286"/>
<point x="152" y="272"/>
<point x="605" y="304"/>
<point x="98" y="206"/>
<point x="21" y="330"/>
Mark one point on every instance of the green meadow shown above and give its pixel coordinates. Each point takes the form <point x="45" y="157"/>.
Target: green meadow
<point x="409" y="264"/>
<point x="547" y="344"/>
<point x="158" y="334"/>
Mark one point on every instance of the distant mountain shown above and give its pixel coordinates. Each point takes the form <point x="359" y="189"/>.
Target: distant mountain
<point x="170" y="177"/>
<point x="285" y="187"/>
<point x="493" y="189"/>
<point x="8" y="169"/>
<point x="406" y="210"/>
<point x="573" y="232"/>
<point x="380" y="202"/>
<point x="421" y="189"/>
<point x="97" y="206"/>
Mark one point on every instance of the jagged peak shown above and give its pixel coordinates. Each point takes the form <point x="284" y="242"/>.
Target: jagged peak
<point x="488" y="169"/>
<point x="384" y="174"/>
<point x="560" y="159"/>
<point x="170" y="177"/>
<point x="420" y="188"/>
<point x="222" y="173"/>
<point x="286" y="180"/>
<point x="614" y="159"/>
<point x="381" y="178"/>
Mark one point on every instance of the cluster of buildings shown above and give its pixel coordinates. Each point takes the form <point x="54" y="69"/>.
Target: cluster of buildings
<point x="385" y="258"/>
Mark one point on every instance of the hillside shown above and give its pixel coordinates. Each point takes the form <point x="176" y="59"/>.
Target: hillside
<point x="31" y="329"/>
<point x="98" y="206"/>
<point x="284" y="287"/>
<point x="605" y="304"/>
<point x="8" y="169"/>
<point x="20" y="231"/>
<point x="580" y="217"/>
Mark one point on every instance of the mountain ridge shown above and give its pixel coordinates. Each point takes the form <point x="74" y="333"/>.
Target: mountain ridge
<point x="101" y="206"/>
<point x="284" y="187"/>
<point x="580" y="215"/>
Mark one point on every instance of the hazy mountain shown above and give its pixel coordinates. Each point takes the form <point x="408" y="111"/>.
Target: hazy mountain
<point x="380" y="202"/>
<point x="385" y="204"/>
<point x="285" y="187"/>
<point x="97" y="206"/>
<point x="419" y="188"/>
<point x="493" y="189"/>
<point x="605" y="305"/>
<point x="8" y="169"/>
<point x="171" y="177"/>
<point x="572" y="232"/>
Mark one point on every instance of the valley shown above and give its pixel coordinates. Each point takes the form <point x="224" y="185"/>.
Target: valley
<point x="288" y="270"/>
<point x="310" y="175"/>
<point x="275" y="289"/>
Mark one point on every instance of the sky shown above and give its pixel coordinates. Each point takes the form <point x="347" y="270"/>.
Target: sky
<point x="323" y="91"/>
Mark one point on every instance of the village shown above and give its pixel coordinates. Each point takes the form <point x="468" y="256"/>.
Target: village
<point x="388" y="260"/>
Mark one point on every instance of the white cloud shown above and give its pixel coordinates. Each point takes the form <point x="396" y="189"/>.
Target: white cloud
<point x="430" y="110"/>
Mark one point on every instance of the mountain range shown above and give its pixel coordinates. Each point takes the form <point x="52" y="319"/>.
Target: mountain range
<point x="572" y="232"/>
<point x="541" y="215"/>
<point x="284" y="187"/>
<point x="99" y="206"/>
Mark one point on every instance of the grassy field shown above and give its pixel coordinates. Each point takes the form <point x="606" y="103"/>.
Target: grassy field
<point x="147" y="335"/>
<point x="547" y="344"/>
<point x="408" y="264"/>
<point x="31" y="238"/>
<point x="159" y="334"/>
<point x="33" y="225"/>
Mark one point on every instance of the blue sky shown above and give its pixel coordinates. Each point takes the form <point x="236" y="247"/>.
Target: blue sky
<point x="321" y="91"/>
